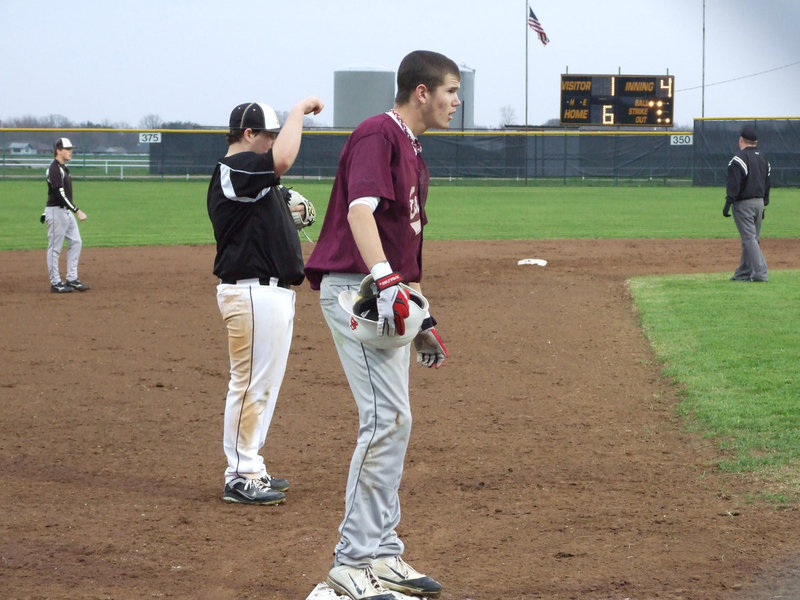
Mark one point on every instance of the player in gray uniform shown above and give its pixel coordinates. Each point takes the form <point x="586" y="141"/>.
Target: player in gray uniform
<point x="258" y="258"/>
<point x="747" y="191"/>
<point x="373" y="224"/>
<point x="59" y="214"/>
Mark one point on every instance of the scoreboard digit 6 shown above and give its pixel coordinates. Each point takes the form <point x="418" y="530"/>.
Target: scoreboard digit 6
<point x="645" y="100"/>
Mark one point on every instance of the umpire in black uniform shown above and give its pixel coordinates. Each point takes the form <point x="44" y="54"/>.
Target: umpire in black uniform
<point x="747" y="191"/>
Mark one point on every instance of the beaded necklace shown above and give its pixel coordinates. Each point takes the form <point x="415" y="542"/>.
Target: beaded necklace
<point x="414" y="141"/>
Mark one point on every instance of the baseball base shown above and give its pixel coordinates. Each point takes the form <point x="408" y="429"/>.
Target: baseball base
<point x="532" y="261"/>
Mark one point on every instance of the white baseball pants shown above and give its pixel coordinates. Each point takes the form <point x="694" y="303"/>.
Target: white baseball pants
<point x="259" y="320"/>
<point x="62" y="225"/>
<point x="379" y="382"/>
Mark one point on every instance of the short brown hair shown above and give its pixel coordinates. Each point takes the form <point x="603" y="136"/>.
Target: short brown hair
<point x="234" y="135"/>
<point x="423" y="67"/>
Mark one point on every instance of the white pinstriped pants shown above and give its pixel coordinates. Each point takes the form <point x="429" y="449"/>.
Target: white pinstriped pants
<point x="379" y="382"/>
<point x="259" y="320"/>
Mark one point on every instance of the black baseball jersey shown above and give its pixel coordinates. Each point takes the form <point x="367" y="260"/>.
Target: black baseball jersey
<point x="253" y="226"/>
<point x="59" y="186"/>
<point x="748" y="176"/>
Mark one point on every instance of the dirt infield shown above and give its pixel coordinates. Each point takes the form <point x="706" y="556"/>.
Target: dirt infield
<point x="546" y="459"/>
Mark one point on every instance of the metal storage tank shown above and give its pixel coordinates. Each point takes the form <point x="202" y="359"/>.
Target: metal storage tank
<point x="361" y="92"/>
<point x="464" y="117"/>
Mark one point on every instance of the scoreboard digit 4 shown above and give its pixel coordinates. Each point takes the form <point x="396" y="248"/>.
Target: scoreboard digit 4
<point x="645" y="100"/>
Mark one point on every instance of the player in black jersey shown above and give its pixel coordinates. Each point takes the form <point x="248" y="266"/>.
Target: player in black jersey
<point x="258" y="259"/>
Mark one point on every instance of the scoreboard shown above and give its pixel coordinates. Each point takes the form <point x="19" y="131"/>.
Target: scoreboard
<point x="617" y="100"/>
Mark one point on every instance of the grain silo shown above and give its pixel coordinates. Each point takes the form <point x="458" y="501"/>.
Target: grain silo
<point x="464" y="118"/>
<point x="361" y="92"/>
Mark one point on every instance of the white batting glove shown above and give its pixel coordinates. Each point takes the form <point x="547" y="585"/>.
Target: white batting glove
<point x="393" y="305"/>
<point x="429" y="346"/>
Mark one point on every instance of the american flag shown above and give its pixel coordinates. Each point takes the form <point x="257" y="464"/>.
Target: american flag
<point x="534" y="24"/>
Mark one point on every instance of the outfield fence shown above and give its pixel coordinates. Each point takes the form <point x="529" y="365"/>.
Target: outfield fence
<point x="699" y="157"/>
<point x="715" y="141"/>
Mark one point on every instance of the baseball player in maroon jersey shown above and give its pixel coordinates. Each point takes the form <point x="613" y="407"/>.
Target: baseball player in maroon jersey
<point x="373" y="225"/>
<point x="59" y="214"/>
<point x="258" y="259"/>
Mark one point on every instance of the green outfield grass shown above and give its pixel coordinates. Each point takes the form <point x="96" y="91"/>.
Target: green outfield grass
<point x="126" y="213"/>
<point x="732" y="347"/>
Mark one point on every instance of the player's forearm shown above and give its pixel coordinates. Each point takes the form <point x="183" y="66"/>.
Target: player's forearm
<point x="365" y="233"/>
<point x="70" y="205"/>
<point x="287" y="144"/>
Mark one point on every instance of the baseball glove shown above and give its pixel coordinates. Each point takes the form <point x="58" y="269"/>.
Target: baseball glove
<point x="304" y="218"/>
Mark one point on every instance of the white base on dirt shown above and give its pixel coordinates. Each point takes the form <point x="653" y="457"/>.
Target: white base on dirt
<point x="324" y="592"/>
<point x="532" y="261"/>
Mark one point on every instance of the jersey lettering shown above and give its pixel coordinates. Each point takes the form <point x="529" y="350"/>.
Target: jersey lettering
<point x="413" y="202"/>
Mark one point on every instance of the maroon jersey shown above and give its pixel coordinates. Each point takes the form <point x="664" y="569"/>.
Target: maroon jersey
<point x="377" y="160"/>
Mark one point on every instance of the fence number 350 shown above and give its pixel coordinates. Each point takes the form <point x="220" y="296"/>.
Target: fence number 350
<point x="681" y="140"/>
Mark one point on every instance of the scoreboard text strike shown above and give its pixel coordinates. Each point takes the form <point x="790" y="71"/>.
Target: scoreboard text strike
<point x="617" y="100"/>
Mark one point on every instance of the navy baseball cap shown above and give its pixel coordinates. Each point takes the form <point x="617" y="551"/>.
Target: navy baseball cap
<point x="255" y="115"/>
<point x="749" y="133"/>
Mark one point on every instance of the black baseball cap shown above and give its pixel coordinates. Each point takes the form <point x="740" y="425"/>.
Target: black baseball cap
<point x="255" y="115"/>
<point x="62" y="143"/>
<point x="749" y="133"/>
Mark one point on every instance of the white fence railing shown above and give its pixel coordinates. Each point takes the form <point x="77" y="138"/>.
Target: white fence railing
<point x="80" y="165"/>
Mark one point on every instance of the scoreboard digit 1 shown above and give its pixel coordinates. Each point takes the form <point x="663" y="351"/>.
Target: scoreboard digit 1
<point x="645" y="100"/>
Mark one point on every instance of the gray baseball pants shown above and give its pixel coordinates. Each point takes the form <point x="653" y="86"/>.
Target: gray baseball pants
<point x="62" y="225"/>
<point x="747" y="214"/>
<point x="379" y="382"/>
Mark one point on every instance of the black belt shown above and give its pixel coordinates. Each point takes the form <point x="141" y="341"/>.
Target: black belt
<point x="261" y="281"/>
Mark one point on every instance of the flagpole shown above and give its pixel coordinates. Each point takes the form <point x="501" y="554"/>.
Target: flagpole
<point x="525" y="138"/>
<point x="703" y="93"/>
<point x="526" y="64"/>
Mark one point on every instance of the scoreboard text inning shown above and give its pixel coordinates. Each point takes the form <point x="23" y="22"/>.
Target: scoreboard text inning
<point x="617" y="100"/>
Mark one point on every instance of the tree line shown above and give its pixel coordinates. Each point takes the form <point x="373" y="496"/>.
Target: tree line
<point x="153" y="121"/>
<point x="56" y="121"/>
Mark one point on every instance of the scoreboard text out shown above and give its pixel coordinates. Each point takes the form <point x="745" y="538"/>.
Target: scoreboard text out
<point x="617" y="100"/>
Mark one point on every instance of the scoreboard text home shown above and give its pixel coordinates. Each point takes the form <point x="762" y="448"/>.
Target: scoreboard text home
<point x="617" y="100"/>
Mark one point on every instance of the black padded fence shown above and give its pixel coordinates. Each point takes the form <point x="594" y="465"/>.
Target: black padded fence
<point x="716" y="141"/>
<point x="700" y="156"/>
<point x="180" y="153"/>
<point x="528" y="155"/>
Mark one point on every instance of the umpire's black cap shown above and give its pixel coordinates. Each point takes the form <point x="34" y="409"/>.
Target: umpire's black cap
<point x="749" y="133"/>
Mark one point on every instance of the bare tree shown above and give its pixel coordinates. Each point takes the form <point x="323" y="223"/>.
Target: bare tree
<point x="507" y="115"/>
<point x="58" y="121"/>
<point x="150" y="122"/>
<point x="50" y="121"/>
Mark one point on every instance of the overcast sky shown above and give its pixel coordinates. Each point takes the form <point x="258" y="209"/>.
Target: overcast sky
<point x="193" y="60"/>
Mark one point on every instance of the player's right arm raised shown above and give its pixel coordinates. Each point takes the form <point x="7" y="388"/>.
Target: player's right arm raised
<point x="287" y="144"/>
